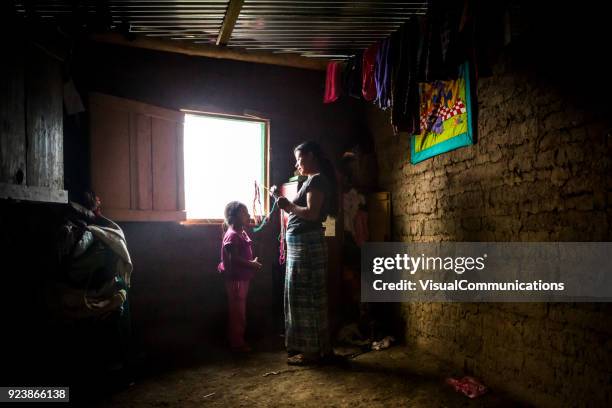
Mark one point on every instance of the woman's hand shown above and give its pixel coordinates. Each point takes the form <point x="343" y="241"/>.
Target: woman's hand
<point x="314" y="203"/>
<point x="284" y="203"/>
<point x="255" y="264"/>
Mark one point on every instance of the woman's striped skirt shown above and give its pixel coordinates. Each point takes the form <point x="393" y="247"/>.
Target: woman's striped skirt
<point x="306" y="319"/>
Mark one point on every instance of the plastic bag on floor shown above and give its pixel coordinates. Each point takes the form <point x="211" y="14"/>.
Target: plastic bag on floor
<point x="383" y="344"/>
<point x="468" y="386"/>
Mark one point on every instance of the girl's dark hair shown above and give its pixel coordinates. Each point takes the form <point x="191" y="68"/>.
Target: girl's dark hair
<point x="327" y="168"/>
<point x="231" y="212"/>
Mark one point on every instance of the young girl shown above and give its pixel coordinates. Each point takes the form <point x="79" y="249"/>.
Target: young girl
<point x="238" y="266"/>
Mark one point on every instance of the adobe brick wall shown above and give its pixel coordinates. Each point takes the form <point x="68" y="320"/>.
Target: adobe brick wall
<point x="540" y="171"/>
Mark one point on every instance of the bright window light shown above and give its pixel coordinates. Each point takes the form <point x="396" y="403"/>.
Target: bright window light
<point x="223" y="158"/>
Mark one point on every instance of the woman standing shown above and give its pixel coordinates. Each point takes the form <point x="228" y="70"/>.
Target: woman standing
<point x="306" y="321"/>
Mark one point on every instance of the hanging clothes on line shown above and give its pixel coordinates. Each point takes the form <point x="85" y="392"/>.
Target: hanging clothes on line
<point x="352" y="77"/>
<point x="332" y="82"/>
<point x="382" y="74"/>
<point x="430" y="67"/>
<point x="404" y="84"/>
<point x="442" y="48"/>
<point x="453" y="51"/>
<point x="368" y="67"/>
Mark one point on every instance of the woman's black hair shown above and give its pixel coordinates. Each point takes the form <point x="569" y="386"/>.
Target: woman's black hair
<point x="231" y="213"/>
<point x="327" y="168"/>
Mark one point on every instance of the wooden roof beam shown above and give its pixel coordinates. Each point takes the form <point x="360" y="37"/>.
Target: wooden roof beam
<point x="212" y="51"/>
<point x="229" y="21"/>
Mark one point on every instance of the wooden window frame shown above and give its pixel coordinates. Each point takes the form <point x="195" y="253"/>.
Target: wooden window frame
<point x="266" y="161"/>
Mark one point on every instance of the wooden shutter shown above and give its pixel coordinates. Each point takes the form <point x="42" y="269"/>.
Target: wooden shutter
<point x="137" y="159"/>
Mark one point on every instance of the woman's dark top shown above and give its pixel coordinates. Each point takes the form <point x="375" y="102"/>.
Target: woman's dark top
<point x="297" y="225"/>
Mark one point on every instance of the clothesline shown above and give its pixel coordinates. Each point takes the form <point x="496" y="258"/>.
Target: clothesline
<point x="424" y="49"/>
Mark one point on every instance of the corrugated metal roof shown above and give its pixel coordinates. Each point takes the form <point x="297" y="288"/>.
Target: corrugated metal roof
<point x="316" y="28"/>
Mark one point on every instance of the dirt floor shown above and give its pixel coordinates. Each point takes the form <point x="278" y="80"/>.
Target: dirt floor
<point x="396" y="377"/>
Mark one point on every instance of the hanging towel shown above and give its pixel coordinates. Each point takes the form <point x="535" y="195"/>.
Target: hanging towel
<point x="368" y="67"/>
<point x="332" y="82"/>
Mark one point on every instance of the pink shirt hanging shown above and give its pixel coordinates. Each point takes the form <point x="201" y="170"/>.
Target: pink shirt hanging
<point x="332" y="82"/>
<point x="368" y="78"/>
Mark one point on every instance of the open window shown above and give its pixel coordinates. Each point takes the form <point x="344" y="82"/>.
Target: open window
<point x="154" y="164"/>
<point x="224" y="157"/>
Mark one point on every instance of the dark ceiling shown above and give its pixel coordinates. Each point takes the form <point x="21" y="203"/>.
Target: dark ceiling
<point x="317" y="29"/>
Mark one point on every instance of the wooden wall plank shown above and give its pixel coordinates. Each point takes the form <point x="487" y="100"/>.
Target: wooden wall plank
<point x="144" y="187"/>
<point x="33" y="193"/>
<point x="44" y="123"/>
<point x="12" y="117"/>
<point x="164" y="145"/>
<point x="133" y="142"/>
<point x="110" y="157"/>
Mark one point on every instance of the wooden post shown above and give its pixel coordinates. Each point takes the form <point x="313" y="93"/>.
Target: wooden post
<point x="212" y="51"/>
<point x="229" y="21"/>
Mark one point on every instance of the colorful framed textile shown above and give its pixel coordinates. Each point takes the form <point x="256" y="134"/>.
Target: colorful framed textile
<point x="445" y="117"/>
